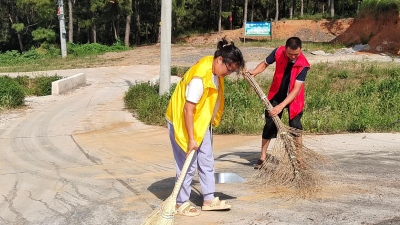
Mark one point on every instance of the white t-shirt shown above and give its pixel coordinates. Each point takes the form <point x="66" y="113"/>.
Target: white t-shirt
<point x="195" y="88"/>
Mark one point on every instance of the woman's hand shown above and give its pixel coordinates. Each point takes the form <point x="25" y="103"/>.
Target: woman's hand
<point x="192" y="146"/>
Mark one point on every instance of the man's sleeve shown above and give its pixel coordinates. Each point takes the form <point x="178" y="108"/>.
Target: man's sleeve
<point x="301" y="77"/>
<point x="271" y="58"/>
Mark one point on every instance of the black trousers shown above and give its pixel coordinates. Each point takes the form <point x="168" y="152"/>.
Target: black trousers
<point x="270" y="129"/>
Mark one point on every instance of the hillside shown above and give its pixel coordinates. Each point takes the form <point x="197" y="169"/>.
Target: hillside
<point x="381" y="33"/>
<point x="307" y="30"/>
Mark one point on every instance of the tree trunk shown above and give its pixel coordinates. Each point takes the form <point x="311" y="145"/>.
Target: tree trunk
<point x="117" y="20"/>
<point x="332" y="8"/>
<point x="267" y="14"/>
<point x="342" y="7"/>
<point x="230" y="17"/>
<point x="245" y="13"/>
<point x="147" y="36"/>
<point x="128" y="26"/>
<point x="252" y="10"/>
<point x="137" y="18"/>
<point x="70" y="22"/>
<point x="301" y="7"/>
<point x="315" y="7"/>
<point x="210" y="15"/>
<point x="277" y="11"/>
<point x="21" y="46"/>
<point x="115" y="30"/>
<point x="219" y="16"/>
<point x="94" y="33"/>
<point x="234" y="14"/>
<point x="10" y="13"/>
<point x="291" y="9"/>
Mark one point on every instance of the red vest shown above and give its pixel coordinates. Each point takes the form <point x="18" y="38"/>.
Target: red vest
<point x="281" y="59"/>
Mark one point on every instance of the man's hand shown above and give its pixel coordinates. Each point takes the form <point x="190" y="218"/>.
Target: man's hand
<point x="251" y="72"/>
<point x="192" y="146"/>
<point x="276" y="110"/>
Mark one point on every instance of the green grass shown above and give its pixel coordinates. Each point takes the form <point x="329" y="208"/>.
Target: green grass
<point x="14" y="90"/>
<point x="378" y="7"/>
<point x="352" y="97"/>
<point x="307" y="46"/>
<point x="341" y="97"/>
<point x="47" y="57"/>
<point x="179" y="70"/>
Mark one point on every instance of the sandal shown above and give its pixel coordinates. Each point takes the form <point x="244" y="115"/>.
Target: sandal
<point x="259" y="164"/>
<point x="185" y="208"/>
<point x="222" y="206"/>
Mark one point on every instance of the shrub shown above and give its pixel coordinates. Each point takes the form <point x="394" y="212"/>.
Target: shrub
<point x="42" y="84"/>
<point x="147" y="104"/>
<point x="94" y="48"/>
<point x="11" y="93"/>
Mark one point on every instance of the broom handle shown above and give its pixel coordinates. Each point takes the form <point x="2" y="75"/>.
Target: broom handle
<point x="183" y="174"/>
<point x="269" y="106"/>
<point x="258" y="90"/>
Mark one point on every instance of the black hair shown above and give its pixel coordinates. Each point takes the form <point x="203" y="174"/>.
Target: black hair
<point x="293" y="43"/>
<point x="230" y="53"/>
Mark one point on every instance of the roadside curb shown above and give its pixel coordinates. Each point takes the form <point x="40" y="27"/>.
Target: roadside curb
<point x="61" y="86"/>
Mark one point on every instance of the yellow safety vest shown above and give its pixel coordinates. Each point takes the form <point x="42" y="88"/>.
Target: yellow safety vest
<point x="204" y="108"/>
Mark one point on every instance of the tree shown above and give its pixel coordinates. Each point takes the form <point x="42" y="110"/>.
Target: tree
<point x="301" y="8"/>
<point x="128" y="24"/>
<point x="267" y="9"/>
<point x="291" y="9"/>
<point x="332" y="4"/>
<point x="137" y="19"/>
<point x="252" y="10"/>
<point x="219" y="16"/>
<point x="70" y="21"/>
<point x="277" y="11"/>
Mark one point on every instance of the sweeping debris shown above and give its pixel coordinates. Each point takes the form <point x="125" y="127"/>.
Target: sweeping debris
<point x="164" y="214"/>
<point x="290" y="163"/>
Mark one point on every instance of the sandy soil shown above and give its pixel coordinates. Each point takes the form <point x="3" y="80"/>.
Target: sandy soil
<point x="82" y="158"/>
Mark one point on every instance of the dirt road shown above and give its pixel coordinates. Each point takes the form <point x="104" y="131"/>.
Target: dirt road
<point x="81" y="158"/>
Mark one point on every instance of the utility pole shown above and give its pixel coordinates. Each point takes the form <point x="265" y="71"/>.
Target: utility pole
<point x="165" y="61"/>
<point x="63" y="33"/>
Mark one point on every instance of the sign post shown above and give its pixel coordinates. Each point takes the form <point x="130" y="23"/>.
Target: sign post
<point x="257" y="29"/>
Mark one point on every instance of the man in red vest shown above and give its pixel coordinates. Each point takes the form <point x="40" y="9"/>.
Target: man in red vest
<point x="286" y="91"/>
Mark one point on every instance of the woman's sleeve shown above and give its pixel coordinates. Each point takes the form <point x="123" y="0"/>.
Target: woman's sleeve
<point x="194" y="90"/>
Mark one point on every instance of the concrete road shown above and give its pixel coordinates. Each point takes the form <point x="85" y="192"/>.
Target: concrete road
<point x="81" y="158"/>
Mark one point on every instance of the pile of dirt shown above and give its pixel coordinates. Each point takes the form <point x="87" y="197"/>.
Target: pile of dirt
<point x="307" y="30"/>
<point x="382" y="33"/>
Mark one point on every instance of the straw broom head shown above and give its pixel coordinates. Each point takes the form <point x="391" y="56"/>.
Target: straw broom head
<point x="290" y="163"/>
<point x="164" y="214"/>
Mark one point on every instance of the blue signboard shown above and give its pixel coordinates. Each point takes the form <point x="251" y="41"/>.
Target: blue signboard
<point x="258" y="29"/>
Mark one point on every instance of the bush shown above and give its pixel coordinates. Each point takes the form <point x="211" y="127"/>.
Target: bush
<point x="42" y="84"/>
<point x="179" y="71"/>
<point x="11" y="93"/>
<point x="147" y="104"/>
<point x="94" y="48"/>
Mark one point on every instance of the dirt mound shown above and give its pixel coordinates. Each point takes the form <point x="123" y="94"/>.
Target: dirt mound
<point x="382" y="33"/>
<point x="307" y="30"/>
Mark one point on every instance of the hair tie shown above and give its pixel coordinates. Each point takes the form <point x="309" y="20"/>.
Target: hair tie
<point x="224" y="46"/>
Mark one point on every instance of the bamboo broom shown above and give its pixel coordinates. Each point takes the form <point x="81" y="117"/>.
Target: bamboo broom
<point x="290" y="162"/>
<point x="164" y="214"/>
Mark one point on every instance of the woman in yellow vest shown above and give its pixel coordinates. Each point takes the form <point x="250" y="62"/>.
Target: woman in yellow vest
<point x="198" y="102"/>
